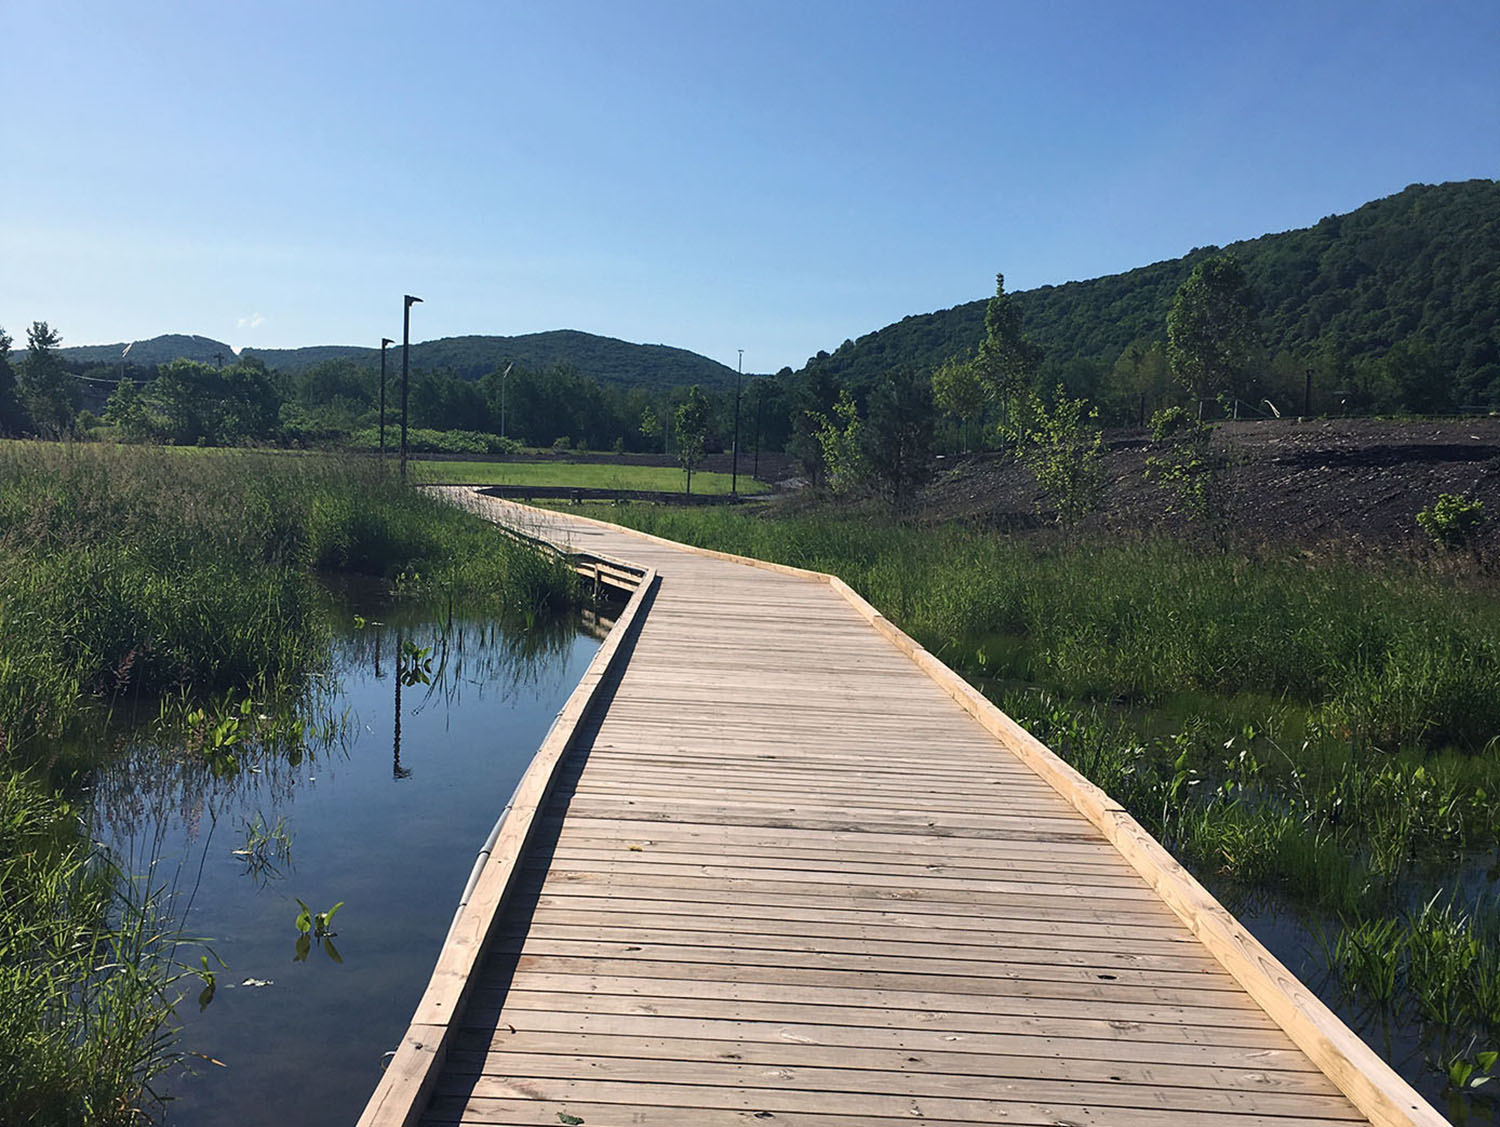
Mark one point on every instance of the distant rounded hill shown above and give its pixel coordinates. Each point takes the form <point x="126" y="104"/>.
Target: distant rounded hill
<point x="605" y="359"/>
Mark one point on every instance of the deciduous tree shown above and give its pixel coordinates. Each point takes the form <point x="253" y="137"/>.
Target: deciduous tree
<point x="691" y="425"/>
<point x="958" y="390"/>
<point x="1006" y="361"/>
<point x="1212" y="334"/>
<point x="840" y="438"/>
<point x="51" y="395"/>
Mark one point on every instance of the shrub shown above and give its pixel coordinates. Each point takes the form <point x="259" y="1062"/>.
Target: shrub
<point x="1452" y="520"/>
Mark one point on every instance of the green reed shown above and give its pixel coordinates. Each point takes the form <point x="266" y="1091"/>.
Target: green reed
<point x="189" y="584"/>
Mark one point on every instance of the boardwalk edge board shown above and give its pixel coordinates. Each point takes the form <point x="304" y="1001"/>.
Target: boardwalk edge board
<point x="401" y="1095"/>
<point x="1370" y="1084"/>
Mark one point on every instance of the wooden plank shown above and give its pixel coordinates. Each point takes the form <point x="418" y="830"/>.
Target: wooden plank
<point x="1094" y="1050"/>
<point x="1158" y="1039"/>
<point x="934" y="962"/>
<point x="823" y="1085"/>
<point x="647" y="931"/>
<point x="538" y="1112"/>
<point x="774" y="1094"/>
<point x="988" y="996"/>
<point x="1075" y="943"/>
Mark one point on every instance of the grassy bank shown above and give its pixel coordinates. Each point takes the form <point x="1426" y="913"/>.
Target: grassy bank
<point x="1322" y="729"/>
<point x="132" y="575"/>
<point x="578" y="475"/>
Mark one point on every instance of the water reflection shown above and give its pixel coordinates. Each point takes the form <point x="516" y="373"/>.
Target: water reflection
<point x="372" y="790"/>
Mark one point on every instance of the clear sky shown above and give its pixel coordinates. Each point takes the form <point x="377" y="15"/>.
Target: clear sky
<point x="760" y="175"/>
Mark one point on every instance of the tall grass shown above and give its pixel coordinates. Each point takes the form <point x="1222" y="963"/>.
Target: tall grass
<point x="87" y="973"/>
<point x="130" y="570"/>
<point x="139" y="574"/>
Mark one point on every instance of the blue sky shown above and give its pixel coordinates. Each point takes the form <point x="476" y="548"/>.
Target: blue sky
<point x="767" y="176"/>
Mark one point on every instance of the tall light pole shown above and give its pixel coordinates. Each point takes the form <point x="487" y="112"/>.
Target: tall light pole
<point x="408" y="302"/>
<point x="385" y="342"/>
<point x="503" y="377"/>
<point x="734" y="473"/>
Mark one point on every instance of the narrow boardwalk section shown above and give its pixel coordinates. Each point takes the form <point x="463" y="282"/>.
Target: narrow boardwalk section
<point x="782" y="877"/>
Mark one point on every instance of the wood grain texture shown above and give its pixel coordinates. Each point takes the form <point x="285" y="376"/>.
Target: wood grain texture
<point x="795" y="870"/>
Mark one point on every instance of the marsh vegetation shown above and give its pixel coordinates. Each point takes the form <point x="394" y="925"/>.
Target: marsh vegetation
<point x="171" y="600"/>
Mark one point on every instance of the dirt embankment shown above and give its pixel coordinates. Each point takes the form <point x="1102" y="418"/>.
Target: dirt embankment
<point x="1358" y="482"/>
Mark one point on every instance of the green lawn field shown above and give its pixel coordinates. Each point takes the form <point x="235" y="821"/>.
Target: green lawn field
<point x="582" y="475"/>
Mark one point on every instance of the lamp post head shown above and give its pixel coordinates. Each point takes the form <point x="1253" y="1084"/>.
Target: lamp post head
<point x="410" y="301"/>
<point x="386" y="341"/>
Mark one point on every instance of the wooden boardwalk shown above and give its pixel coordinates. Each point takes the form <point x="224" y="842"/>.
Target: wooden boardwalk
<point x="782" y="873"/>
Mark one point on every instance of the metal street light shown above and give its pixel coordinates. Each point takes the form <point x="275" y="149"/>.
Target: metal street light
<point x="503" y="377"/>
<point x="384" y="343"/>
<point x="734" y="473"/>
<point x="408" y="302"/>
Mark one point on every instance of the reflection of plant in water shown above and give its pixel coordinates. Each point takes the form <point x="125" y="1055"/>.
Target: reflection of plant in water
<point x="414" y="663"/>
<point x="316" y="925"/>
<point x="200" y="758"/>
<point x="208" y="976"/>
<point x="267" y="848"/>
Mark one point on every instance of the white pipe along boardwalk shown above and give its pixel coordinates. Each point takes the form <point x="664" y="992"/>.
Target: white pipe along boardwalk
<point x="776" y="864"/>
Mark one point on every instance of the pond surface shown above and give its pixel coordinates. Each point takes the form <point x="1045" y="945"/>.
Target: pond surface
<point x="384" y="810"/>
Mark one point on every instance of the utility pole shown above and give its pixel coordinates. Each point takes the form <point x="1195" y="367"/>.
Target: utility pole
<point x="503" y="377"/>
<point x="1307" y="396"/>
<point x="734" y="474"/>
<point x="408" y="302"/>
<point x="385" y="342"/>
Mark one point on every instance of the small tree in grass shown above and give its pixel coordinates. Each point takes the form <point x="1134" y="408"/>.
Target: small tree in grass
<point x="1184" y="462"/>
<point x="1064" y="448"/>
<point x="691" y="424"/>
<point x="841" y="442"/>
<point x="959" y="391"/>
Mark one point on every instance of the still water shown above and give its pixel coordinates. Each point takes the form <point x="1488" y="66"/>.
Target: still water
<point x="383" y="808"/>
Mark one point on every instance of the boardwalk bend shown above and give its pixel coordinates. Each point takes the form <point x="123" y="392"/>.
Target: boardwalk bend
<point x="775" y="864"/>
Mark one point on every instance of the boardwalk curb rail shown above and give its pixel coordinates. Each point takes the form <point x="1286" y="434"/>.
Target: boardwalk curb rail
<point x="402" y="1092"/>
<point x="1370" y="1084"/>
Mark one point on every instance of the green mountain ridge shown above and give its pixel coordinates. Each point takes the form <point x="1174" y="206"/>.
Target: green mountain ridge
<point x="606" y="359"/>
<point x="1422" y="265"/>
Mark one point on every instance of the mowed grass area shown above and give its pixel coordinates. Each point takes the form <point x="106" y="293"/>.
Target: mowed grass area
<point x="576" y="475"/>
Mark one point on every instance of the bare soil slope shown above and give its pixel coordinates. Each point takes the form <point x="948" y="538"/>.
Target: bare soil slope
<point x="1313" y="483"/>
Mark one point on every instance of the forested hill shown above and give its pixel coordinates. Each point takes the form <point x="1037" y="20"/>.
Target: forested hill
<point x="1420" y="267"/>
<point x="606" y="359"/>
